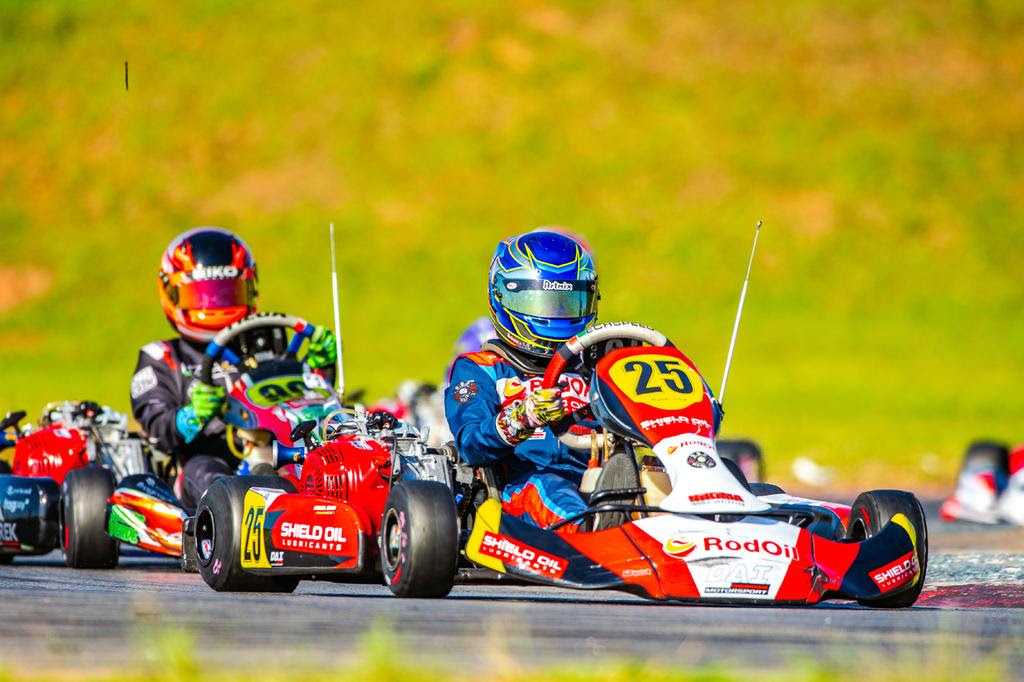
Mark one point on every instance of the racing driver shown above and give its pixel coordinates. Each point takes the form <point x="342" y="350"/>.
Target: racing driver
<point x="207" y="281"/>
<point x="542" y="292"/>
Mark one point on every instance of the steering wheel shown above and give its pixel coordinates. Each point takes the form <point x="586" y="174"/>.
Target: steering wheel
<point x="218" y="348"/>
<point x="613" y="335"/>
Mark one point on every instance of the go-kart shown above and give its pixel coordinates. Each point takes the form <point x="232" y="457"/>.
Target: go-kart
<point x="330" y="467"/>
<point x="80" y="467"/>
<point x="668" y="519"/>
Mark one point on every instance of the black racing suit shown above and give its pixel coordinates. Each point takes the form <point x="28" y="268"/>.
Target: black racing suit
<point x="162" y="384"/>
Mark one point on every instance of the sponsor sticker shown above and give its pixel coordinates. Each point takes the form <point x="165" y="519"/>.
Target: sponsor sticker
<point x="897" y="573"/>
<point x="9" y="534"/>
<point x="705" y="498"/>
<point x="464" y="391"/>
<point x="522" y="556"/>
<point x="678" y="546"/>
<point x="636" y="572"/>
<point x="143" y="381"/>
<point x="753" y="546"/>
<point x="701" y="460"/>
<point x="752" y="589"/>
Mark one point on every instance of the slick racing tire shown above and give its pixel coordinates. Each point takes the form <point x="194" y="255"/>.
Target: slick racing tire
<point x="218" y="530"/>
<point x="985" y="455"/>
<point x="870" y="513"/>
<point x="618" y="473"/>
<point x="84" y="496"/>
<point x="746" y="454"/>
<point x="419" y="539"/>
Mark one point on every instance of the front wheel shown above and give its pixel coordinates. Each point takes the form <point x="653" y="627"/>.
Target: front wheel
<point x="218" y="530"/>
<point x="870" y="513"/>
<point x="419" y="539"/>
<point x="84" y="495"/>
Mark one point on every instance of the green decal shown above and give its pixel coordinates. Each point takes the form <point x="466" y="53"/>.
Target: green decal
<point x="124" y="524"/>
<point x="282" y="389"/>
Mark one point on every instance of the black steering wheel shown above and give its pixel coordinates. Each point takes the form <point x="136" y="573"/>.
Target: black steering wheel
<point x="218" y="348"/>
<point x="586" y="350"/>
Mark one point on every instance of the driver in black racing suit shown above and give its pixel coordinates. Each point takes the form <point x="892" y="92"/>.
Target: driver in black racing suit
<point x="207" y="282"/>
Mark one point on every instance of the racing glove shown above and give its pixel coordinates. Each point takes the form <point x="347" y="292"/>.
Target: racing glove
<point x="518" y="421"/>
<point x="205" y="402"/>
<point x="323" y="349"/>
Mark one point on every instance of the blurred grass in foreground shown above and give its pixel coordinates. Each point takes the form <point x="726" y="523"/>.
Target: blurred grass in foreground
<point x="880" y="143"/>
<point x="170" y="656"/>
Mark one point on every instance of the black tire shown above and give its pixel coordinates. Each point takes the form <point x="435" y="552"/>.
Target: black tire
<point x="84" y="496"/>
<point x="219" y="521"/>
<point x="870" y="513"/>
<point x="746" y="454"/>
<point x="766" y="489"/>
<point x="5" y="559"/>
<point x="419" y="539"/>
<point x="985" y="455"/>
<point x="618" y="473"/>
<point x="5" y="468"/>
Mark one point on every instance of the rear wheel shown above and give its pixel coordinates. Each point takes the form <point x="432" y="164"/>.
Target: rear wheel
<point x="218" y="528"/>
<point x="84" y="496"/>
<point x="419" y="539"/>
<point x="870" y="513"/>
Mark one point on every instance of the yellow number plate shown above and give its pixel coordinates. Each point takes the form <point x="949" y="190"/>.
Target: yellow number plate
<point x="254" y="554"/>
<point x="660" y="381"/>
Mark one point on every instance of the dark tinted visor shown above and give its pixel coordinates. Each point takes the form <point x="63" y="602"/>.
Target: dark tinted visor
<point x="548" y="297"/>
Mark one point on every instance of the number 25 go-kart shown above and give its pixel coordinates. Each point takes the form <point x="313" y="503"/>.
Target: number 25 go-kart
<point x="678" y="523"/>
<point x="319" y="516"/>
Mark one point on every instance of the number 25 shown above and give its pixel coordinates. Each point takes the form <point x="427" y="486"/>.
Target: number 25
<point x="670" y="373"/>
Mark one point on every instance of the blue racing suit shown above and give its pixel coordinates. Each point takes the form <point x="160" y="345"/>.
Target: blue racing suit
<point x="542" y="475"/>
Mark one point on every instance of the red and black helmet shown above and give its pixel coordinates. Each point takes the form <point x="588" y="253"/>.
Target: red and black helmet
<point x="207" y="282"/>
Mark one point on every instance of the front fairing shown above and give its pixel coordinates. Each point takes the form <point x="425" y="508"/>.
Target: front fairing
<point x="754" y="559"/>
<point x="278" y="403"/>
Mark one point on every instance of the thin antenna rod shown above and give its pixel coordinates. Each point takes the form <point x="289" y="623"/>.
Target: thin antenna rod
<point x="739" y="314"/>
<point x="339" y="378"/>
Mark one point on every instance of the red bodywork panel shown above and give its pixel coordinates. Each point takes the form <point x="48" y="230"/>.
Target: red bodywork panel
<point x="50" y="452"/>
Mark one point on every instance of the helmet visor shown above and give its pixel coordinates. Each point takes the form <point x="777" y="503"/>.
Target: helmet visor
<point x="213" y="293"/>
<point x="547" y="297"/>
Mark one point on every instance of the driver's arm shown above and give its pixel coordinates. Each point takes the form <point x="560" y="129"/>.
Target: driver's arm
<point x="155" y="401"/>
<point x="471" y="407"/>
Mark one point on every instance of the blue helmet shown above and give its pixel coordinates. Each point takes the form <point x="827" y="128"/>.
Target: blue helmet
<point x="543" y="291"/>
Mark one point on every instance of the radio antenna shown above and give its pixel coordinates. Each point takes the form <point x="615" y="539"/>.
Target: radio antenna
<point x="739" y="314"/>
<point x="339" y="374"/>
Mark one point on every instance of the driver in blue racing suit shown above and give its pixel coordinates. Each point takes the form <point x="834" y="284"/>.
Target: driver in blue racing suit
<point x="207" y="281"/>
<point x="542" y="292"/>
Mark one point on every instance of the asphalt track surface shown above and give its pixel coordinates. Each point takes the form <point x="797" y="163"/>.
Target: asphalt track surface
<point x="55" y="618"/>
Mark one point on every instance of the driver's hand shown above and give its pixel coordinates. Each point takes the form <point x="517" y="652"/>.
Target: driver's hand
<point x="543" y="407"/>
<point x="323" y="349"/>
<point x="207" y="400"/>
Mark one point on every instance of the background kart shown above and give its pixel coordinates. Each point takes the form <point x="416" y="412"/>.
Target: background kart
<point x="671" y="519"/>
<point x="80" y="468"/>
<point x="320" y="514"/>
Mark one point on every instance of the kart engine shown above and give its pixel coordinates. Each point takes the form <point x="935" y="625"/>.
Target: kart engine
<point x="50" y="452"/>
<point x="350" y="468"/>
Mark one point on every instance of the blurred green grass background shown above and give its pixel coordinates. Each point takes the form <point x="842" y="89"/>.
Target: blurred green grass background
<point x="880" y="142"/>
